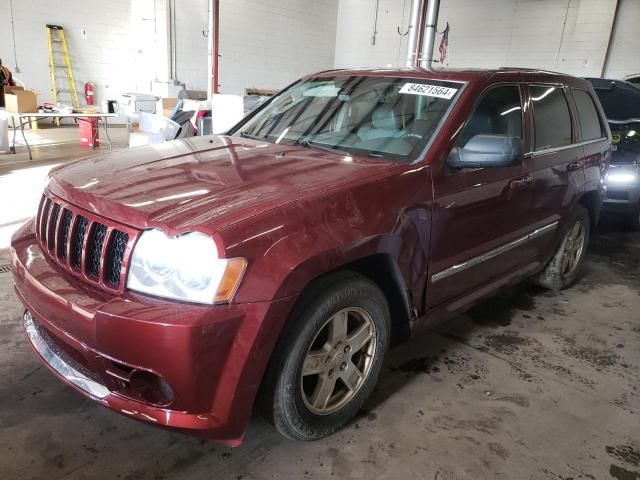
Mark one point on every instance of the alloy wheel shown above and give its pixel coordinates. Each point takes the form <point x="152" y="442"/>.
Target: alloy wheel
<point x="573" y="247"/>
<point x="338" y="361"/>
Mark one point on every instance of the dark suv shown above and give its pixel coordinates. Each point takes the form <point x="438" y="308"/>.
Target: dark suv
<point x="621" y="104"/>
<point x="176" y="283"/>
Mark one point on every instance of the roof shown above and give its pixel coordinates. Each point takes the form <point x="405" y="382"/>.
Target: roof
<point x="462" y="75"/>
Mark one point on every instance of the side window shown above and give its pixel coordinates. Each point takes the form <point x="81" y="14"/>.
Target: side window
<point x="590" y="124"/>
<point x="498" y="113"/>
<point x="551" y="118"/>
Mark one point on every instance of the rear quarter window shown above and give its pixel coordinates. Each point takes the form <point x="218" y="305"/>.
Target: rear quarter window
<point x="551" y="117"/>
<point x="590" y="123"/>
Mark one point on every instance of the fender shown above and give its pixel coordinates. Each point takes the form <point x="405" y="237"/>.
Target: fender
<point x="289" y="247"/>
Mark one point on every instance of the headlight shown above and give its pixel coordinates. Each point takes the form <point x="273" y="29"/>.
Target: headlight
<point x="185" y="267"/>
<point x="622" y="177"/>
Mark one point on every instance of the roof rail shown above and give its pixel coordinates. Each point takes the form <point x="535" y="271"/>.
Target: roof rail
<point x="529" y="69"/>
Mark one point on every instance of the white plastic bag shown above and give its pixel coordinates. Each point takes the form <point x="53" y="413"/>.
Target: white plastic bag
<point x="63" y="108"/>
<point x="158" y="124"/>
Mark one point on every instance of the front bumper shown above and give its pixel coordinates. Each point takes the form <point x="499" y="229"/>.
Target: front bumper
<point x="211" y="357"/>
<point x="60" y="362"/>
<point x="623" y="200"/>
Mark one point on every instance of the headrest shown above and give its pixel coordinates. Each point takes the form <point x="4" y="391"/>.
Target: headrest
<point x="385" y="117"/>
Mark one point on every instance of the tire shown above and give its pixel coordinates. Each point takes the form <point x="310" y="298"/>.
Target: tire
<point x="558" y="275"/>
<point x="296" y="404"/>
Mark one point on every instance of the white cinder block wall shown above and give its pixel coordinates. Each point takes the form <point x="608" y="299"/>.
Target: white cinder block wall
<point x="106" y="57"/>
<point x="623" y="53"/>
<point x="269" y="43"/>
<point x="354" y="36"/>
<point x="565" y="35"/>
<point x="263" y="43"/>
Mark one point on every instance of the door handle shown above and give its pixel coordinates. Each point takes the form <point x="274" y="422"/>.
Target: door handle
<point x="577" y="165"/>
<point x="521" y="182"/>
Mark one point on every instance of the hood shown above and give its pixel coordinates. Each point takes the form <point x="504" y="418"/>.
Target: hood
<point x="202" y="183"/>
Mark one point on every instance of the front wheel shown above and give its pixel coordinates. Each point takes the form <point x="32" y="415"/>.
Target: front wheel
<point x="563" y="269"/>
<point x="328" y="360"/>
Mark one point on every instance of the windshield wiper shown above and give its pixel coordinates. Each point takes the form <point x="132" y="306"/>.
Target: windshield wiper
<point x="305" y="142"/>
<point x="253" y="137"/>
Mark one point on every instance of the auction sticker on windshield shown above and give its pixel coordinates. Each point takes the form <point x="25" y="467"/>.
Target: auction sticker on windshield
<point x="428" y="90"/>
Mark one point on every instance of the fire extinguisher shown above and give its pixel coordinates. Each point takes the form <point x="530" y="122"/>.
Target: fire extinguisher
<point x="89" y="93"/>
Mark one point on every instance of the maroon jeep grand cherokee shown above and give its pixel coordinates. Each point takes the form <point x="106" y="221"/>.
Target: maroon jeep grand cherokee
<point x="176" y="283"/>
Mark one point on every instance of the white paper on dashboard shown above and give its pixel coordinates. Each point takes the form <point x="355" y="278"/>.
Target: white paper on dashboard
<point x="428" y="90"/>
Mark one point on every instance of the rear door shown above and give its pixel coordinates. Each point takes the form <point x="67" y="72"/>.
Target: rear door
<point x="481" y="216"/>
<point x="596" y="144"/>
<point x="558" y="162"/>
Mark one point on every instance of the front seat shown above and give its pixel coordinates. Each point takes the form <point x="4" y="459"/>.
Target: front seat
<point x="385" y="123"/>
<point x="480" y="123"/>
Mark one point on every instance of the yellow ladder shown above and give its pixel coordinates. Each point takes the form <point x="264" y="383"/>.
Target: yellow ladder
<point x="60" y="66"/>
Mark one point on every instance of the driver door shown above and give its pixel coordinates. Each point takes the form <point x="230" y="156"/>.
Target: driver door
<point x="481" y="215"/>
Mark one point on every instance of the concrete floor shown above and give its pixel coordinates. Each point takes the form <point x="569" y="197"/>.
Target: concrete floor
<point x="22" y="179"/>
<point x="528" y="385"/>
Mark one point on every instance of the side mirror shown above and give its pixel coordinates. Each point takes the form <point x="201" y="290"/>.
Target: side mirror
<point x="484" y="151"/>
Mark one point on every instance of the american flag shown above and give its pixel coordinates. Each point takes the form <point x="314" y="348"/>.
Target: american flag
<point x="444" y="44"/>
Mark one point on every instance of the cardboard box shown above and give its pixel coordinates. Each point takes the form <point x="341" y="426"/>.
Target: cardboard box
<point x="168" y="104"/>
<point x="18" y="100"/>
<point x="9" y="89"/>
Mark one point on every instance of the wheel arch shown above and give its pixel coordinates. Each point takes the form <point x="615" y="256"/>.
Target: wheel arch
<point x="592" y="201"/>
<point x="383" y="270"/>
<point x="379" y="265"/>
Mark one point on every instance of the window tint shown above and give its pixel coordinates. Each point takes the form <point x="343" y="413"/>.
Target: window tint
<point x="551" y="117"/>
<point x="498" y="113"/>
<point x="588" y="114"/>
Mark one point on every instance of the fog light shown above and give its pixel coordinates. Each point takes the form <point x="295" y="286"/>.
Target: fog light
<point x="151" y="388"/>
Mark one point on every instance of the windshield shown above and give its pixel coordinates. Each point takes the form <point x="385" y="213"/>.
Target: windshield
<point x="620" y="100"/>
<point x="391" y="118"/>
<point x="625" y="142"/>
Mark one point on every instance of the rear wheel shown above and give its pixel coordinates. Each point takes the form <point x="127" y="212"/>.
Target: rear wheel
<point x="329" y="357"/>
<point x="563" y="269"/>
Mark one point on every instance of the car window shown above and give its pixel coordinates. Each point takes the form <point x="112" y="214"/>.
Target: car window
<point x="388" y="117"/>
<point x="590" y="124"/>
<point x="551" y="118"/>
<point x="499" y="112"/>
<point x="625" y="142"/>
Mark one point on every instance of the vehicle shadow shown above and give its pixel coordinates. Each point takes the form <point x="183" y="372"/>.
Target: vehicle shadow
<point x="613" y="243"/>
<point x="429" y="348"/>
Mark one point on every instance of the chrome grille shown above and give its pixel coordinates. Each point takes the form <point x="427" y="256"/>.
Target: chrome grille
<point x="86" y="246"/>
